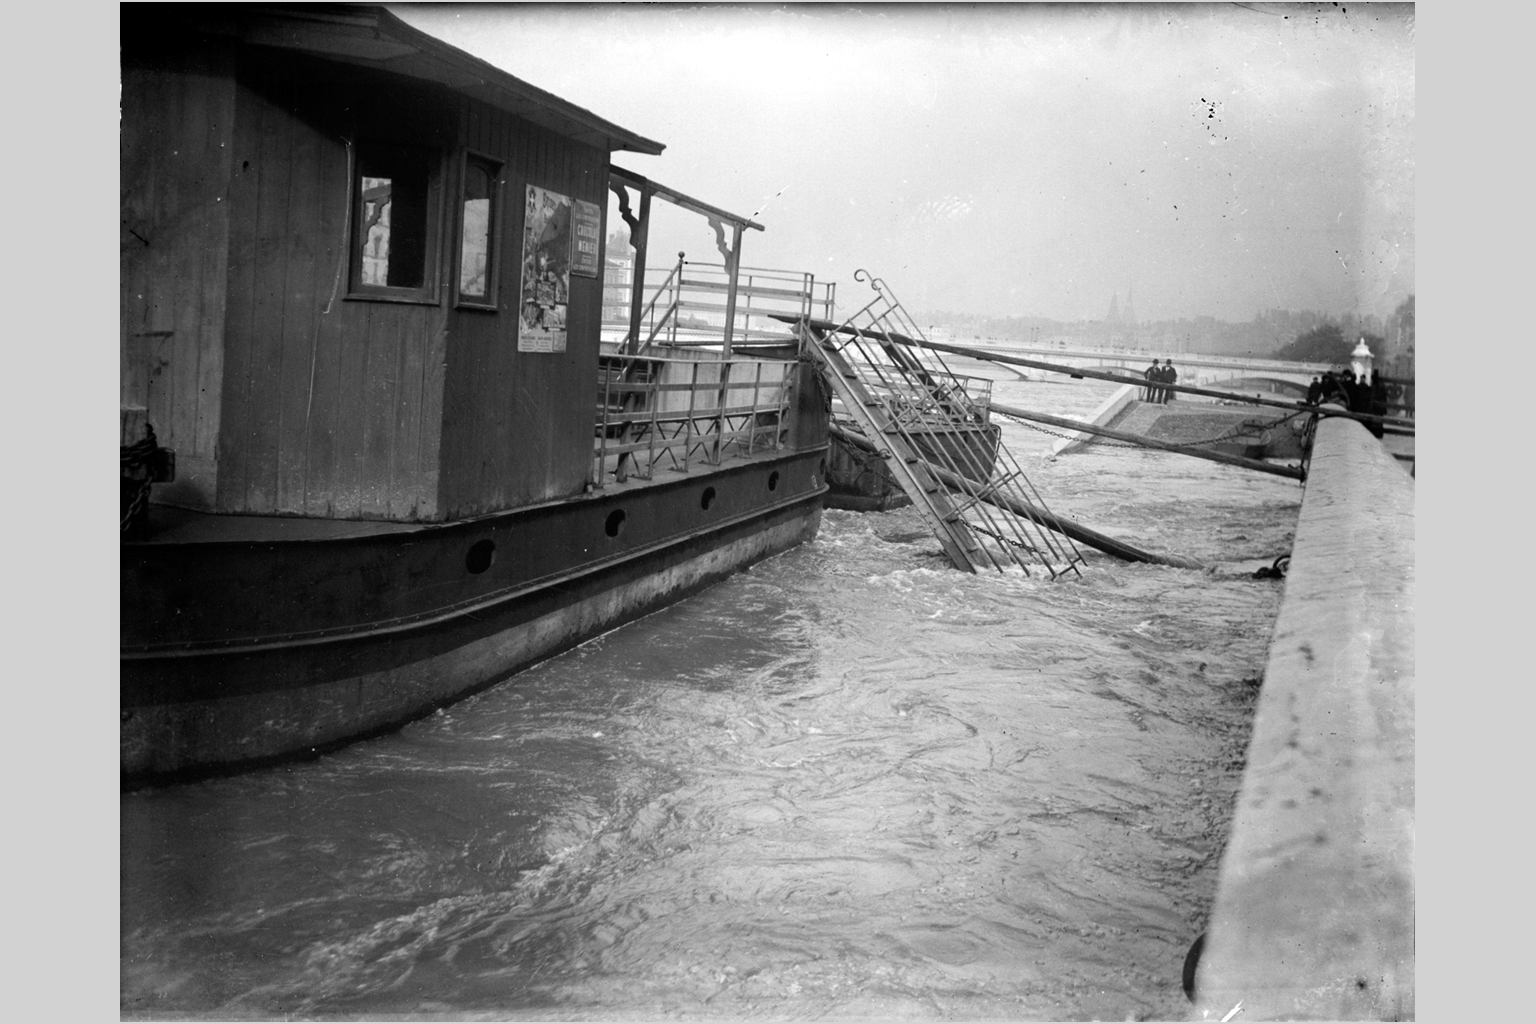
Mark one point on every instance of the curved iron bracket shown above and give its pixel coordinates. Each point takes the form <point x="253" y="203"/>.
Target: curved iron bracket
<point x="720" y="243"/>
<point x="624" y="208"/>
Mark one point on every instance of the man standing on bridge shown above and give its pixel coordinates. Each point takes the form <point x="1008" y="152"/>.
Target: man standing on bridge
<point x="1149" y="393"/>
<point x="1171" y="376"/>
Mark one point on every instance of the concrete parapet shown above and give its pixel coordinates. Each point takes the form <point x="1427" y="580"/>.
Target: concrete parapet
<point x="1314" y="911"/>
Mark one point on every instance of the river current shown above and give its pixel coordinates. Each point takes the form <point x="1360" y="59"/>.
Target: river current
<point x="850" y="782"/>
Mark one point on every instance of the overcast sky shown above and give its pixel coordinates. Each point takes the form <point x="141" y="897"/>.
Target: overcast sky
<point x="1013" y="160"/>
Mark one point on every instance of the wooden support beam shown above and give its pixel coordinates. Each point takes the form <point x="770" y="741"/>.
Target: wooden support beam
<point x="639" y="235"/>
<point x="1180" y="449"/>
<point x="1063" y="525"/>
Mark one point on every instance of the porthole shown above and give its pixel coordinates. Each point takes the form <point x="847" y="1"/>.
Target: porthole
<point x="480" y="556"/>
<point x="773" y="480"/>
<point x="707" y="498"/>
<point x="615" y="524"/>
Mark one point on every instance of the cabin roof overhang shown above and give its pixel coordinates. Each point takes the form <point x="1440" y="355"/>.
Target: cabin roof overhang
<point x="673" y="196"/>
<point x="373" y="37"/>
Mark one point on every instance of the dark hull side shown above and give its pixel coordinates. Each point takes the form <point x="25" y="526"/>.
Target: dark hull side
<point x="238" y="654"/>
<point x="859" y="481"/>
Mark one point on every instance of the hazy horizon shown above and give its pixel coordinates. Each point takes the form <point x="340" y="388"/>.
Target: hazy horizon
<point x="1012" y="160"/>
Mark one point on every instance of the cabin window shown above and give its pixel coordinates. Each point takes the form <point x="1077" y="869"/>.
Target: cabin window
<point x="479" y="216"/>
<point x="394" y="239"/>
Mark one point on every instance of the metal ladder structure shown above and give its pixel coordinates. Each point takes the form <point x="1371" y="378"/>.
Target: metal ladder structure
<point x="936" y="439"/>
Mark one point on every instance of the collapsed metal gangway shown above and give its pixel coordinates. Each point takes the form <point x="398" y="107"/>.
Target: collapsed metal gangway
<point x="935" y="437"/>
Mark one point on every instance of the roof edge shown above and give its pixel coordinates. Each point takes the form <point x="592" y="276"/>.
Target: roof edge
<point x="370" y="35"/>
<point x="625" y="139"/>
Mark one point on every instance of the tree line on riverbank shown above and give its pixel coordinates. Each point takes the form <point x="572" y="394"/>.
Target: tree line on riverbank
<point x="1306" y="336"/>
<point x="1328" y="342"/>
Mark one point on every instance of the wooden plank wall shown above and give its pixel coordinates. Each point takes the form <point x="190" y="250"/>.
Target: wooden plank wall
<point x="175" y="162"/>
<point x="518" y="426"/>
<point x="381" y="410"/>
<point x="331" y="407"/>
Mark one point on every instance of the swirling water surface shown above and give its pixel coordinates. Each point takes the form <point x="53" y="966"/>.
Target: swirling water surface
<point x="850" y="782"/>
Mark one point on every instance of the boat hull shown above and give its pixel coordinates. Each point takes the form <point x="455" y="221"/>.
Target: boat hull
<point x="860" y="481"/>
<point x="318" y="670"/>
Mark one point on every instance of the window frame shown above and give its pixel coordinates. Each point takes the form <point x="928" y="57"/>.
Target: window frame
<point x="429" y="292"/>
<point x="488" y="301"/>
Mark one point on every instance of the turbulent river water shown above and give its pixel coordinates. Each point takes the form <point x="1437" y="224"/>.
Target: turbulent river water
<point x="849" y="782"/>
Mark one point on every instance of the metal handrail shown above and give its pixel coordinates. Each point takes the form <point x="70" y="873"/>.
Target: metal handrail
<point x="764" y="292"/>
<point x="631" y="419"/>
<point x="650" y="307"/>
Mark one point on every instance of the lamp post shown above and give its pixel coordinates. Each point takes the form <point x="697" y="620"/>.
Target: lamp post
<point x="1360" y="360"/>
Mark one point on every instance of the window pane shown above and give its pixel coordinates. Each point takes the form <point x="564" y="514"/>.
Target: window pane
<point x="394" y="217"/>
<point x="375" y="230"/>
<point x="475" y="230"/>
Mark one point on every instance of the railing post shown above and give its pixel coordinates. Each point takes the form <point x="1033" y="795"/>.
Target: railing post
<point x="654" y="397"/>
<point x="693" y="392"/>
<point x="757" y="387"/>
<point x="677" y="299"/>
<point x="723" y="397"/>
<point x="602" y="447"/>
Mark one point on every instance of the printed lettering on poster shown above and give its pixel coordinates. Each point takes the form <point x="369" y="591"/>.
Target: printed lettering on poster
<point x="589" y="231"/>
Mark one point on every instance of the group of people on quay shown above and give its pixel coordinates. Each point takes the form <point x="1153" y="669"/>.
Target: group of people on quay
<point x="1155" y="374"/>
<point x="1363" y="394"/>
<point x="1368" y="393"/>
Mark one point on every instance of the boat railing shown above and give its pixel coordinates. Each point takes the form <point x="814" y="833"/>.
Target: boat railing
<point x="945" y="393"/>
<point x="688" y="305"/>
<point x="680" y="412"/>
<point x="668" y="289"/>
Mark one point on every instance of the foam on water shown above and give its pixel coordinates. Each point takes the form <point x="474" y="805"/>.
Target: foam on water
<point x="849" y="782"/>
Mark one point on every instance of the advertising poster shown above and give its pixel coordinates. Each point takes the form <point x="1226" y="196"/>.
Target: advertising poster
<point x="589" y="232"/>
<point x="546" y="273"/>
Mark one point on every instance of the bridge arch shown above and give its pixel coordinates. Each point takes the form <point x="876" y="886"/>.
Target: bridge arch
<point x="1274" y="384"/>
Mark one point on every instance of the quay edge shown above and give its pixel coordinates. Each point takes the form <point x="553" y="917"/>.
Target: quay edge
<point x="1315" y="906"/>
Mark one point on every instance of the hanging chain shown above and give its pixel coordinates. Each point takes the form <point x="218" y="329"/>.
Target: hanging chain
<point x="135" y="458"/>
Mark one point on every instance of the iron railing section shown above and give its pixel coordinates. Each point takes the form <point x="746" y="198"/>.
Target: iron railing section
<point x="663" y="287"/>
<point x="688" y="305"/>
<point x="923" y="397"/>
<point x="671" y="412"/>
<point x="977" y="390"/>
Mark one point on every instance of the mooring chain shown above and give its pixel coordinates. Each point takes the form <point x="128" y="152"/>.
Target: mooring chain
<point x="1054" y="433"/>
<point x="140" y="499"/>
<point x="133" y="457"/>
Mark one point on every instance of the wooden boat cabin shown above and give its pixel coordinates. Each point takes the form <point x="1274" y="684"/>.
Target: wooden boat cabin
<point x="362" y="291"/>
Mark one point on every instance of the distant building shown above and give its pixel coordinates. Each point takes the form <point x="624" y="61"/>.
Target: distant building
<point x="1398" y="341"/>
<point x="618" y="277"/>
